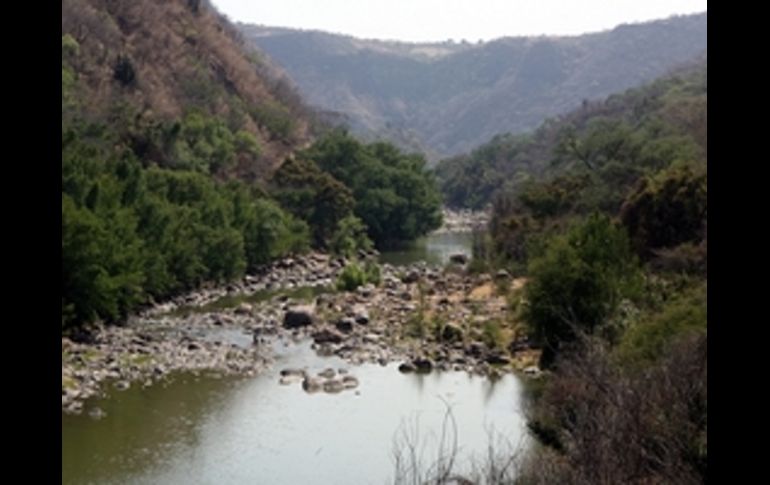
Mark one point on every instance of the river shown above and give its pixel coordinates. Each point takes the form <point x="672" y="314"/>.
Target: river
<point x="205" y="430"/>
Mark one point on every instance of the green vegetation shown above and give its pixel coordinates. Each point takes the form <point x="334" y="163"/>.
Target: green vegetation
<point x="650" y="340"/>
<point x="589" y="159"/>
<point x="604" y="211"/>
<point x="131" y="233"/>
<point x="578" y="283"/>
<point x="354" y="275"/>
<point x="314" y="196"/>
<point x="168" y="179"/>
<point x="394" y="194"/>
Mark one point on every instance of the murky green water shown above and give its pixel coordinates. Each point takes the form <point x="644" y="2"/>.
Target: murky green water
<point x="245" y="431"/>
<point x="435" y="248"/>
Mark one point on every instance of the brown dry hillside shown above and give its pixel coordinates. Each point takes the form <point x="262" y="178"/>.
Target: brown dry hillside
<point x="159" y="60"/>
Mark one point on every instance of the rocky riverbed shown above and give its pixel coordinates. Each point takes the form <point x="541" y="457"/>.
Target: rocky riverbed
<point x="423" y="318"/>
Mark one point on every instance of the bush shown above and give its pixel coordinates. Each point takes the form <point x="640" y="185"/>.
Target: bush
<point x="395" y="195"/>
<point x="131" y="233"/>
<point x="350" y="237"/>
<point x="579" y="282"/>
<point x="648" y="340"/>
<point x="616" y="425"/>
<point x="354" y="276"/>
<point x="666" y="211"/>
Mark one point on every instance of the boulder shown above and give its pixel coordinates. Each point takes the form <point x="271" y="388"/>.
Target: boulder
<point x="423" y="365"/>
<point x="333" y="386"/>
<point x="498" y="359"/>
<point x="327" y="373"/>
<point x="361" y="316"/>
<point x="458" y="258"/>
<point x="244" y="309"/>
<point x="411" y="277"/>
<point x="299" y="316"/>
<point x="451" y="333"/>
<point x="328" y="336"/>
<point x="345" y="325"/>
<point x="312" y="384"/>
<point x="289" y="372"/>
<point x="349" y="382"/>
<point x="502" y="274"/>
<point x="407" y="367"/>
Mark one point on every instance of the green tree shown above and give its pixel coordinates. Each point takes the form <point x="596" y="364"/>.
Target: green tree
<point x="578" y="283"/>
<point x="313" y="195"/>
<point x="667" y="210"/>
<point x="395" y="195"/>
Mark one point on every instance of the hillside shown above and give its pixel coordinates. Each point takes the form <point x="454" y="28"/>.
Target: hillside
<point x="139" y="64"/>
<point x="639" y="156"/>
<point x="449" y="97"/>
<point x="667" y="116"/>
<point x="189" y="160"/>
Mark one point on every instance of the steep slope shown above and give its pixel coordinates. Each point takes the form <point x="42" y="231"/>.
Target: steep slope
<point x="145" y="62"/>
<point x="451" y="96"/>
<point x="652" y="124"/>
<point x="170" y="130"/>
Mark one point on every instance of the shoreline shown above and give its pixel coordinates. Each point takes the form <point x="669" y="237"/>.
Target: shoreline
<point x="425" y="318"/>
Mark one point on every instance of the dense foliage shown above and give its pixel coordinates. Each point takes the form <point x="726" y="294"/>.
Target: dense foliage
<point x="592" y="155"/>
<point x="393" y="193"/>
<point x="604" y="211"/>
<point x="149" y="204"/>
<point x="358" y="274"/>
<point x="131" y="233"/>
<point x="155" y="205"/>
<point x="578" y="283"/>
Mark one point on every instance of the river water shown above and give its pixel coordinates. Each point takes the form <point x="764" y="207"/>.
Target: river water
<point x="434" y="249"/>
<point x="204" y="430"/>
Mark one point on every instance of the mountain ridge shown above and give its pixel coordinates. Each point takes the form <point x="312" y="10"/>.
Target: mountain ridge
<point x="452" y="102"/>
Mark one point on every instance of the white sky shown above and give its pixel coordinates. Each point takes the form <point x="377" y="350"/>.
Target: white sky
<point x="439" y="20"/>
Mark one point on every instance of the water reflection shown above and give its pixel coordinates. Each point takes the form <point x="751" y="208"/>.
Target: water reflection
<point x="256" y="431"/>
<point x="435" y="248"/>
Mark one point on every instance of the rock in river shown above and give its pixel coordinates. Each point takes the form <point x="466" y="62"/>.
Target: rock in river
<point x="299" y="316"/>
<point x="328" y="336"/>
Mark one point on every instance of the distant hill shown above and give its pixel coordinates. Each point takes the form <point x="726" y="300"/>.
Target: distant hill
<point x="134" y="64"/>
<point x="446" y="98"/>
<point x="629" y="133"/>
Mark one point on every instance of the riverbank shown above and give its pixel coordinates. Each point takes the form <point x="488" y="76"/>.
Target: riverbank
<point x="422" y="317"/>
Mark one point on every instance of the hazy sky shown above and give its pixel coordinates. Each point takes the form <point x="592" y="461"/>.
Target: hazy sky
<point x="439" y="20"/>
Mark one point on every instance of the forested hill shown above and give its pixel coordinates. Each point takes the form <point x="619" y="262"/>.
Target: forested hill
<point x="450" y="97"/>
<point x="141" y="66"/>
<point x="188" y="160"/>
<point x="617" y="139"/>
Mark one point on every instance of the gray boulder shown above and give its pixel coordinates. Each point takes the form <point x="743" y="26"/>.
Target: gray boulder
<point x="328" y="336"/>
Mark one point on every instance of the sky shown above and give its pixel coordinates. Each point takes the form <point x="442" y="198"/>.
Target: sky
<point x="441" y="20"/>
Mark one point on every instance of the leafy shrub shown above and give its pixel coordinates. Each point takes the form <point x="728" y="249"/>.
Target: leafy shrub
<point x="666" y="211"/>
<point x="353" y="276"/>
<point x="579" y="282"/>
<point x="649" y="339"/>
<point x="350" y="237"/>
